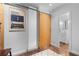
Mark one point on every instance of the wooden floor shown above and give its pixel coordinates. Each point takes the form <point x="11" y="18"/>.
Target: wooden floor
<point x="30" y="52"/>
<point x="38" y="50"/>
<point x="55" y="49"/>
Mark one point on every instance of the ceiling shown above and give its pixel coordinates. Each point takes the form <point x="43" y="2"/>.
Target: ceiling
<point x="35" y="5"/>
<point x="44" y="7"/>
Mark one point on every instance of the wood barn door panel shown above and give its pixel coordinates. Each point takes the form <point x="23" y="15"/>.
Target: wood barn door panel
<point x="1" y="26"/>
<point x="44" y="30"/>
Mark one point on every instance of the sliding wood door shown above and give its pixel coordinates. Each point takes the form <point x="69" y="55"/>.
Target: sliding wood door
<point x="45" y="27"/>
<point x="1" y="27"/>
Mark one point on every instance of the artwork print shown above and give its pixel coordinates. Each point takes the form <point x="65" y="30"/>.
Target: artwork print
<point x="17" y="18"/>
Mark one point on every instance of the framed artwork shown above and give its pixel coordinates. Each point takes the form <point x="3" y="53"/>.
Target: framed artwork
<point x="17" y="19"/>
<point x="64" y="22"/>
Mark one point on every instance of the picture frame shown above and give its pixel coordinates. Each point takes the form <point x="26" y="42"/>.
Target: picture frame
<point x="17" y="19"/>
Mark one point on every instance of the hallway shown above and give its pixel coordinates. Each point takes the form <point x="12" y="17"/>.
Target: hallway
<point x="39" y="29"/>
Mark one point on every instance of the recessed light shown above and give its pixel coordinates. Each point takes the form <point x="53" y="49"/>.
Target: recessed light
<point x="50" y="4"/>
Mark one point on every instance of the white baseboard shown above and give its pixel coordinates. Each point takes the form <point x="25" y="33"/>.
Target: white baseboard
<point x="18" y="52"/>
<point x="74" y="52"/>
<point x="30" y="49"/>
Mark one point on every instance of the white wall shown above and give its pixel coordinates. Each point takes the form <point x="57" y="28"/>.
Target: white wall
<point x="21" y="41"/>
<point x="32" y="30"/>
<point x="44" y="8"/>
<point x="17" y="41"/>
<point x="55" y="36"/>
<point x="73" y="31"/>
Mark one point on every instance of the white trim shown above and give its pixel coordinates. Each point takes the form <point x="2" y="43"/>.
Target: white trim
<point x="18" y="52"/>
<point x="74" y="52"/>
